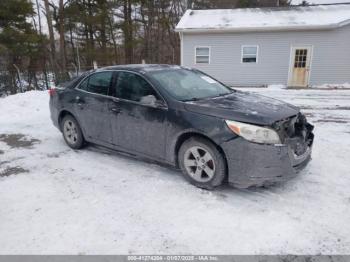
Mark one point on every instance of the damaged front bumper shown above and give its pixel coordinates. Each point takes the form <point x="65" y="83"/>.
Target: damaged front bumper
<point x="251" y="164"/>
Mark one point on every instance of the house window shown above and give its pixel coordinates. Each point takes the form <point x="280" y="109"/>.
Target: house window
<point x="250" y="54"/>
<point x="300" y="58"/>
<point x="202" y="55"/>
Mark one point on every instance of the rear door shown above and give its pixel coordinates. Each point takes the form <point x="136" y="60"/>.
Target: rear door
<point x="91" y="106"/>
<point x="136" y="125"/>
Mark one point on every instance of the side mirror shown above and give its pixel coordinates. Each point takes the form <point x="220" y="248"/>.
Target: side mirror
<point x="160" y="104"/>
<point x="151" y="100"/>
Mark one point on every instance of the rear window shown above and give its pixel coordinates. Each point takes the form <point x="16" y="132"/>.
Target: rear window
<point x="97" y="83"/>
<point x="73" y="81"/>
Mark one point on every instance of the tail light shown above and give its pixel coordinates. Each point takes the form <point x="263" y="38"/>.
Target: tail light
<point x="52" y="91"/>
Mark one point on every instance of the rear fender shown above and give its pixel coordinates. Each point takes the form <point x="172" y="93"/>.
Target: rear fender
<point x="65" y="112"/>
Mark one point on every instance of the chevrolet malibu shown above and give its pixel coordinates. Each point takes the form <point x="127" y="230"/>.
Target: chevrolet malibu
<point x="185" y="118"/>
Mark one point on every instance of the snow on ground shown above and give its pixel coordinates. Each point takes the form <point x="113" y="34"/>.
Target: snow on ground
<point x="324" y="86"/>
<point x="334" y="86"/>
<point x="57" y="200"/>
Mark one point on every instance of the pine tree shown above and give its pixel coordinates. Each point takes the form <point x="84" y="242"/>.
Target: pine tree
<point x="19" y="42"/>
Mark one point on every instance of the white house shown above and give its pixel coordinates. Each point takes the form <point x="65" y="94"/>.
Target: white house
<point x="295" y="46"/>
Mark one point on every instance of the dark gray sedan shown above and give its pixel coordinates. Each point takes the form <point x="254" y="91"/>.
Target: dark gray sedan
<point x="187" y="119"/>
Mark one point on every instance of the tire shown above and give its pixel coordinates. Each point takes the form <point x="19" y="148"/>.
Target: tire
<point x="201" y="163"/>
<point x="72" y="133"/>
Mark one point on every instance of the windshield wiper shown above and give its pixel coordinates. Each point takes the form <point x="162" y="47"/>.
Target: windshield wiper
<point x="192" y="99"/>
<point x="209" y="97"/>
<point x="222" y="94"/>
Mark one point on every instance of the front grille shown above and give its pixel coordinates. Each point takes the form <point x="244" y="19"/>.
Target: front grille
<point x="296" y="132"/>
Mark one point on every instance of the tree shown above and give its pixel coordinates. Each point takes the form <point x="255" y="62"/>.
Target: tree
<point x="61" y="19"/>
<point x="127" y="28"/>
<point x="51" y="37"/>
<point x="19" y="42"/>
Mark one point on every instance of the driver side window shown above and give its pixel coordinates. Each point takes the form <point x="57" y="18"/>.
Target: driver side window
<point x="133" y="87"/>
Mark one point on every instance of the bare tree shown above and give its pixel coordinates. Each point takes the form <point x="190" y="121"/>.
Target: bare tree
<point x="51" y="36"/>
<point x="63" y="62"/>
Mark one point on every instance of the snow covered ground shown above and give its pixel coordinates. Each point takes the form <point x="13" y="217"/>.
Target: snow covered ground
<point x="57" y="200"/>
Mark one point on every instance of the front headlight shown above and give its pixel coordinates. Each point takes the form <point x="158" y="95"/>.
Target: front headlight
<point x="254" y="133"/>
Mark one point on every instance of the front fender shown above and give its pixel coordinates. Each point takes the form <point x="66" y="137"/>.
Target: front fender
<point x="187" y="124"/>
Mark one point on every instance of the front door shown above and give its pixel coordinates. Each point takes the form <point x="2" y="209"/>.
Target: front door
<point x="137" y="126"/>
<point x="300" y="66"/>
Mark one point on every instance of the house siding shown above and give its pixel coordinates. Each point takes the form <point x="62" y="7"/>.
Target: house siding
<point x="330" y="61"/>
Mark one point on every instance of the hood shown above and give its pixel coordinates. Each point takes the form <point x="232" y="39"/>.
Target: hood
<point x="244" y="107"/>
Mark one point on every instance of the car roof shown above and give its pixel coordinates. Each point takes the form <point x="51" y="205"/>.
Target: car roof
<point x="140" y="68"/>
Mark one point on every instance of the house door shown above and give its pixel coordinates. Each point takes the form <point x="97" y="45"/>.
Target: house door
<point x="299" y="70"/>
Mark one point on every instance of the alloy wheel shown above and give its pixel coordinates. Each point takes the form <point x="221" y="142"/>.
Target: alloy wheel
<point x="199" y="164"/>
<point x="70" y="131"/>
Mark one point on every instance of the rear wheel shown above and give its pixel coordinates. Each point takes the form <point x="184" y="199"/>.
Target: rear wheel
<point x="72" y="132"/>
<point x="201" y="163"/>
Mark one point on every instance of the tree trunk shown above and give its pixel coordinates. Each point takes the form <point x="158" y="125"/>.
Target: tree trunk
<point x="63" y="62"/>
<point x="104" y="17"/>
<point x="42" y="44"/>
<point x="128" y="33"/>
<point x="90" y="35"/>
<point x="51" y="38"/>
<point x="115" y="47"/>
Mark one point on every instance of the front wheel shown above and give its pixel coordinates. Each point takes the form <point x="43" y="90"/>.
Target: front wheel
<point x="72" y="133"/>
<point x="201" y="163"/>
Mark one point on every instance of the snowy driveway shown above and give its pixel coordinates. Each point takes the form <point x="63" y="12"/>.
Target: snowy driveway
<point x="56" y="200"/>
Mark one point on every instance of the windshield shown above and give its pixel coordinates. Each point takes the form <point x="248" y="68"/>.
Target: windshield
<point x="186" y="85"/>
